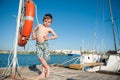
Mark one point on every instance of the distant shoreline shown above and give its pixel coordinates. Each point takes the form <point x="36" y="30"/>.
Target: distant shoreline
<point x="4" y="51"/>
<point x="23" y="52"/>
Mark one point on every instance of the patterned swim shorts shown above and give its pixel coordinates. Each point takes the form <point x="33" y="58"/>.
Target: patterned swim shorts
<point x="43" y="50"/>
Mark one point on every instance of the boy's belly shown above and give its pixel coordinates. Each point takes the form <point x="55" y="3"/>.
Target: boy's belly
<point x="40" y="39"/>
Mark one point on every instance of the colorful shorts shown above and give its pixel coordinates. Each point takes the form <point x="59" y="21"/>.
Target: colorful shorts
<point x="43" y="50"/>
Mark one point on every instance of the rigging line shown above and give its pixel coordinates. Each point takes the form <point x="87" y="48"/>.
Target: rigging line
<point x="95" y="27"/>
<point x="113" y="19"/>
<point x="103" y="17"/>
<point x="118" y="34"/>
<point x="36" y="14"/>
<point x="114" y="37"/>
<point x="98" y="10"/>
<point x="105" y="26"/>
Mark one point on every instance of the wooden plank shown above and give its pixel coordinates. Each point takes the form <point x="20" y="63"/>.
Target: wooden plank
<point x="81" y="66"/>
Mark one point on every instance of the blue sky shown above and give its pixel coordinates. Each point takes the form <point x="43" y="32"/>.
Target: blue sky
<point x="75" y="22"/>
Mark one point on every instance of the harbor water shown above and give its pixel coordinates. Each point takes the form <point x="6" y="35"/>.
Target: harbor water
<point x="32" y="59"/>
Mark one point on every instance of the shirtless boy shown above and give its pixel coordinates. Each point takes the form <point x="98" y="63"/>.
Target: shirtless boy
<point x="40" y="34"/>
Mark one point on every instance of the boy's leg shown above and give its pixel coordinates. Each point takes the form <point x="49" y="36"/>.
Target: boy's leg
<point x="45" y="67"/>
<point x="42" y="75"/>
<point x="47" y="57"/>
<point x="47" y="71"/>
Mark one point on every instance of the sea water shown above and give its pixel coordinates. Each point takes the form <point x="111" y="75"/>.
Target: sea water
<point x="32" y="59"/>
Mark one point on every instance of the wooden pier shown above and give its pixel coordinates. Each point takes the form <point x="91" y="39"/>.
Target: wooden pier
<point x="59" y="73"/>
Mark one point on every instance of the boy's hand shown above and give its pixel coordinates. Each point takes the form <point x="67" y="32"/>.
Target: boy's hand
<point x="46" y="38"/>
<point x="33" y="36"/>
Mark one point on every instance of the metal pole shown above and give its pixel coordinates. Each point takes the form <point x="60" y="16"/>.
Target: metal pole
<point x="16" y="42"/>
<point x="112" y="26"/>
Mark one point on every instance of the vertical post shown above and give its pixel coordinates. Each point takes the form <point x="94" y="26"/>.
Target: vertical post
<point x="16" y="42"/>
<point x="112" y="25"/>
<point x="95" y="41"/>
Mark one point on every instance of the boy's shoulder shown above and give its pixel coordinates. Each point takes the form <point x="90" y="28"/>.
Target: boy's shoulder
<point x="50" y="28"/>
<point x="40" y="24"/>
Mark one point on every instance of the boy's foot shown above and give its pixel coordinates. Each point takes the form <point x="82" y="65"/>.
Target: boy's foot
<point x="47" y="73"/>
<point x="42" y="76"/>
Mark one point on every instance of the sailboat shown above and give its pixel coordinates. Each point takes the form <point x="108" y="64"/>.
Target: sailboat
<point x="113" y="61"/>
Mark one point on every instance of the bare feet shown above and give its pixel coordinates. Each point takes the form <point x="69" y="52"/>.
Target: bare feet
<point x="42" y="76"/>
<point x="47" y="73"/>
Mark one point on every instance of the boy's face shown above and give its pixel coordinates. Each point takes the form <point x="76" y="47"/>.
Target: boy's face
<point x="47" y="22"/>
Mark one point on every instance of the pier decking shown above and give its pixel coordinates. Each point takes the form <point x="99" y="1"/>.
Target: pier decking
<point x="61" y="73"/>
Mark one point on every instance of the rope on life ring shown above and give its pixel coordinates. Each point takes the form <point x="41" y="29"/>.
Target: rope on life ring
<point x="27" y="21"/>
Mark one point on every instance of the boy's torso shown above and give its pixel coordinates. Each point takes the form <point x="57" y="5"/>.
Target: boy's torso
<point x="42" y="32"/>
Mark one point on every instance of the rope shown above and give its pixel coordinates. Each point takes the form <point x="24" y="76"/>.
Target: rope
<point x="70" y="60"/>
<point x="76" y="60"/>
<point x="4" y="73"/>
<point x="6" y="70"/>
<point x="22" y="17"/>
<point x="36" y="14"/>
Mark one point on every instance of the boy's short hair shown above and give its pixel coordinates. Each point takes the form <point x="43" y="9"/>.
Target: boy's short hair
<point x="47" y="16"/>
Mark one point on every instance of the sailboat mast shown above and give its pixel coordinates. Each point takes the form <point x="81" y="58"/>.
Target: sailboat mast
<point x="16" y="42"/>
<point x="112" y="20"/>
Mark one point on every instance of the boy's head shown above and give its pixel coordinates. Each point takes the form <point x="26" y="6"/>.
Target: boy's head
<point x="47" y="20"/>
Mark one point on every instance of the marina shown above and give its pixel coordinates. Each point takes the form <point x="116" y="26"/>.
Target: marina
<point x="88" y="63"/>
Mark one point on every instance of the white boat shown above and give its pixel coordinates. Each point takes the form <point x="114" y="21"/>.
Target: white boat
<point x="113" y="64"/>
<point x="73" y="54"/>
<point x="90" y="58"/>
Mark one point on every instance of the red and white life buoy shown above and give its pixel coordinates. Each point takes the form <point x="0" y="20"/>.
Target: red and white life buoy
<point x="28" y="23"/>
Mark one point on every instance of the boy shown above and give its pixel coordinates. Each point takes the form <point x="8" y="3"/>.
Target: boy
<point x="41" y="37"/>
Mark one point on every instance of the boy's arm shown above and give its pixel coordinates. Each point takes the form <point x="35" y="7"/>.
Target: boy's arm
<point x="35" y="29"/>
<point x="33" y="33"/>
<point x="54" y="35"/>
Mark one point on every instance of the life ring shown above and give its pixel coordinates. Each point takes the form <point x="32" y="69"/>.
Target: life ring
<point x="28" y="23"/>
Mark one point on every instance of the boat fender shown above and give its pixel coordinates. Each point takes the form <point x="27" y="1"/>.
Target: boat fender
<point x="28" y="23"/>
